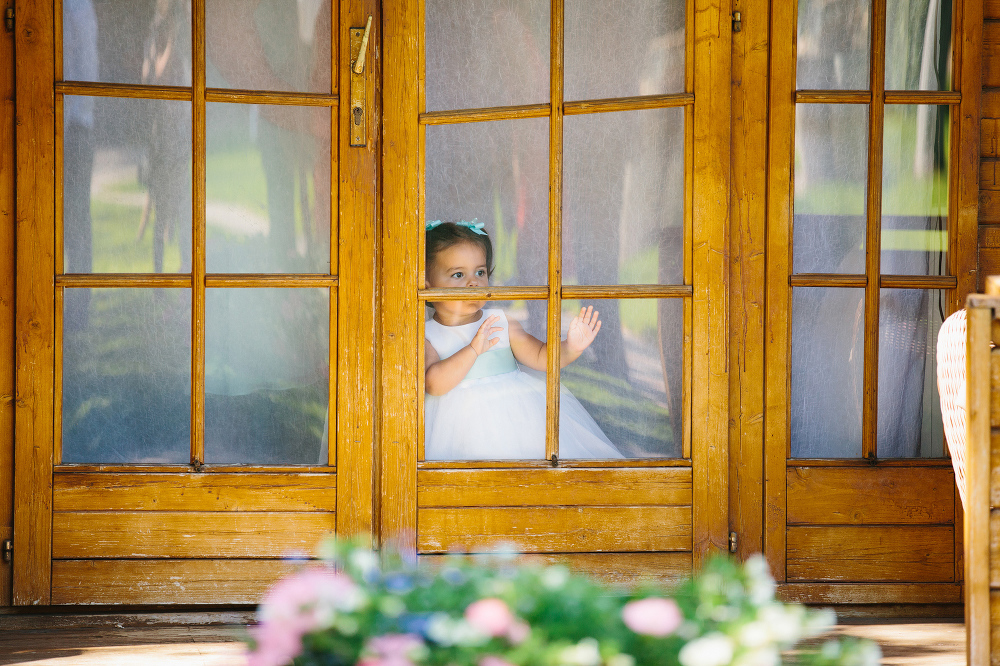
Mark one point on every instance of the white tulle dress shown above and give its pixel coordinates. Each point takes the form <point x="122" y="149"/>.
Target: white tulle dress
<point x="498" y="412"/>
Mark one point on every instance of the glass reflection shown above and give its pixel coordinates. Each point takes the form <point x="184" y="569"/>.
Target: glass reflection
<point x="831" y="165"/>
<point x="646" y="34"/>
<point x="909" y="408"/>
<point x="630" y="380"/>
<point x="623" y="198"/>
<point x="915" y="167"/>
<point x="126" y="185"/>
<point x="918" y="45"/>
<point x="496" y="172"/>
<point x="832" y="44"/>
<point x="479" y="54"/>
<point x="268" y="45"/>
<point x="120" y="41"/>
<point x="827" y="372"/>
<point x="268" y="189"/>
<point x="126" y="368"/>
<point x="267" y="369"/>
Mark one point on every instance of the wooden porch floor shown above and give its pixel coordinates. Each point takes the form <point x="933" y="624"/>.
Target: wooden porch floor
<point x="903" y="642"/>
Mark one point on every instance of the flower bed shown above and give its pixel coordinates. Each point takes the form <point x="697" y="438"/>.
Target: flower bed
<point x="374" y="610"/>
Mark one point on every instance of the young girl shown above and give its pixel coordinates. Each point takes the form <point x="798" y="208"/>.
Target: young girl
<point x="479" y="405"/>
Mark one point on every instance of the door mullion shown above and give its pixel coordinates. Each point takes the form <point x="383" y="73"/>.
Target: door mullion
<point x="198" y="232"/>
<point x="869" y="419"/>
<point x="555" y="232"/>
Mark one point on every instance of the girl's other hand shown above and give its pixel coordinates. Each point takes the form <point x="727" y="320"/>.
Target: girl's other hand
<point x="583" y="329"/>
<point x="482" y="342"/>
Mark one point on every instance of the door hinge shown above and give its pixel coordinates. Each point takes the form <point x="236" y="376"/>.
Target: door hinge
<point x="737" y="22"/>
<point x="732" y="542"/>
<point x="8" y="549"/>
<point x="8" y="19"/>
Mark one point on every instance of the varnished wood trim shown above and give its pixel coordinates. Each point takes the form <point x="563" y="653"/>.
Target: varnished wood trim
<point x="870" y="593"/>
<point x="166" y="582"/>
<point x="628" y="291"/>
<point x="873" y="242"/>
<point x="554" y="487"/>
<point x="862" y="462"/>
<point x="977" y="479"/>
<point x="57" y="377"/>
<point x="116" y="280"/>
<point x="833" y="97"/>
<point x="827" y="280"/>
<point x="488" y="293"/>
<point x="484" y="114"/>
<point x="637" y="103"/>
<point x="187" y="534"/>
<point x="125" y="90"/>
<point x="259" y="97"/>
<point x="923" y="97"/>
<point x="965" y="147"/>
<point x="35" y="294"/>
<point x="554" y="310"/>
<point x="568" y="463"/>
<point x="92" y="468"/>
<point x="192" y="491"/>
<point x="918" y="282"/>
<point x="262" y="280"/>
<point x="8" y="251"/>
<point x="198" y="235"/>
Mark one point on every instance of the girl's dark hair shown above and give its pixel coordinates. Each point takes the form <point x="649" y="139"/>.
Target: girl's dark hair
<point x="448" y="234"/>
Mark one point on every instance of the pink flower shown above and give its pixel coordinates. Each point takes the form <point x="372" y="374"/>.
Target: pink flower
<point x="493" y="660"/>
<point x="490" y="616"/>
<point x="392" y="650"/>
<point x="519" y="630"/>
<point x="654" y="616"/>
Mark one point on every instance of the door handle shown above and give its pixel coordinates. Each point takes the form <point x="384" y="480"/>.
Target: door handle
<point x="359" y="93"/>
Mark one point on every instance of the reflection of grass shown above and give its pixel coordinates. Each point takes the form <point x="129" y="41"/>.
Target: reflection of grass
<point x="637" y="425"/>
<point x="115" y="247"/>
<point x="237" y="177"/>
<point x="641" y="268"/>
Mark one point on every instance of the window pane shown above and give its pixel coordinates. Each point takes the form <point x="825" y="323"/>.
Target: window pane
<point x="831" y="165"/>
<point x="496" y="172"/>
<point x="623" y="396"/>
<point x="268" y="189"/>
<point x="126" y="185"/>
<point x="915" y="167"/>
<point x="827" y="372"/>
<point x="623" y="198"/>
<point x="918" y="45"/>
<point x="497" y="410"/>
<point x="832" y="44"/>
<point x="267" y="360"/>
<point x="268" y="45"/>
<point x="625" y="48"/>
<point x="486" y="53"/>
<point x="126" y="364"/>
<point x="119" y="41"/>
<point x="909" y="408"/>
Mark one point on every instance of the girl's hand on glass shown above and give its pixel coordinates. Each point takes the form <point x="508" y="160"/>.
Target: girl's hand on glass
<point x="482" y="342"/>
<point x="583" y="329"/>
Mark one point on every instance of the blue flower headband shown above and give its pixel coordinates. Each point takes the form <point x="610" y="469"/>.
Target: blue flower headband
<point x="475" y="226"/>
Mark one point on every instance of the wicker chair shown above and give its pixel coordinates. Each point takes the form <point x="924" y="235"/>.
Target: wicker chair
<point x="951" y="388"/>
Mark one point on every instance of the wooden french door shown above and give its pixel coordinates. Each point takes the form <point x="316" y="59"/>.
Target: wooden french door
<point x="871" y="244"/>
<point x="196" y="206"/>
<point x="593" y="146"/>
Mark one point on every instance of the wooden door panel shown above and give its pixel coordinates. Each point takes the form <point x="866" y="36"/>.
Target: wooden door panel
<point x="868" y="496"/>
<point x="895" y="553"/>
<point x="542" y="529"/>
<point x="554" y="487"/>
<point x="164" y="581"/>
<point x="194" y="492"/>
<point x="186" y="534"/>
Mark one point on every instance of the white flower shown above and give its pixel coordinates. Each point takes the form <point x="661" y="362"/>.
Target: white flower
<point x="555" y="577"/>
<point x="584" y="653"/>
<point x="783" y="621"/>
<point x="364" y="560"/>
<point x="447" y="631"/>
<point x="761" y="585"/>
<point x="715" y="649"/>
<point x="754" y="634"/>
<point x="767" y="656"/>
<point x="818" y="622"/>
<point x="621" y="659"/>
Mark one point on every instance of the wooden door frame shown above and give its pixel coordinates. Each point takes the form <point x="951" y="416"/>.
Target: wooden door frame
<point x="8" y="220"/>
<point x="709" y="192"/>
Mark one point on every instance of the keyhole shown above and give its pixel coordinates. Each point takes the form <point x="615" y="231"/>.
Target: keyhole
<point x="358" y="113"/>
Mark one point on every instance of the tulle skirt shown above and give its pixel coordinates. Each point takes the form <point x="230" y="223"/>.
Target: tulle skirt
<point x="503" y="418"/>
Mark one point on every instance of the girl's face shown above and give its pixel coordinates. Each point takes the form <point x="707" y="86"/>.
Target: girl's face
<point x="461" y="265"/>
